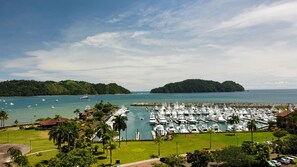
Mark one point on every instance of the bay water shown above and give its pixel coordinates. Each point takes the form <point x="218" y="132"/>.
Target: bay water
<point x="28" y="109"/>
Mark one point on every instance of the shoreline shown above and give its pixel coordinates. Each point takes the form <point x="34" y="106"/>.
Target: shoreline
<point x="230" y="104"/>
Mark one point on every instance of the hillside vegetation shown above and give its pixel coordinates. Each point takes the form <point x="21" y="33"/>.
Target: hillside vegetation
<point x="198" y="85"/>
<point x="67" y="87"/>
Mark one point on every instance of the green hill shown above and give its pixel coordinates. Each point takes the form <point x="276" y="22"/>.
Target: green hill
<point x="198" y="85"/>
<point x="67" y="87"/>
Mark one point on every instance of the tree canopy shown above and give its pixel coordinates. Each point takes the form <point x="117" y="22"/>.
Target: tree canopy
<point x="67" y="87"/>
<point x="198" y="85"/>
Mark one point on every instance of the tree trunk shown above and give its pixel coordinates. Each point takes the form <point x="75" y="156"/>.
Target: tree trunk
<point x="252" y="135"/>
<point x="158" y="149"/>
<point x="119" y="138"/>
<point x="110" y="157"/>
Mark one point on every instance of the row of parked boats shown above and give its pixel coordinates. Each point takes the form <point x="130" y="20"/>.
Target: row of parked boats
<point x="177" y="113"/>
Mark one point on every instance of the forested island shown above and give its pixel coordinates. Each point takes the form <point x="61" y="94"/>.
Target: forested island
<point x="199" y="85"/>
<point x="67" y="87"/>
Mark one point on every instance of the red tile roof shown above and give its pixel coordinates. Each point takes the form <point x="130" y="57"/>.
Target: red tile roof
<point x="52" y="122"/>
<point x="283" y="114"/>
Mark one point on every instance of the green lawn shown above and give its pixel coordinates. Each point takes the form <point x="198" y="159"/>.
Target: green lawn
<point x="134" y="150"/>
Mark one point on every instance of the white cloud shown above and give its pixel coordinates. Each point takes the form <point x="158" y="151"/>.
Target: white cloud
<point x="170" y="45"/>
<point x="264" y="14"/>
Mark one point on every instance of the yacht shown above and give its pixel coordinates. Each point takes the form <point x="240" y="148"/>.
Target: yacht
<point x="159" y="130"/>
<point x="171" y="128"/>
<point x="182" y="129"/>
<point x="203" y="128"/>
<point x="162" y="119"/>
<point x="193" y="129"/>
<point x="216" y="128"/>
<point x="192" y="119"/>
<point x="84" y="97"/>
<point x="152" y="118"/>
<point x="181" y="119"/>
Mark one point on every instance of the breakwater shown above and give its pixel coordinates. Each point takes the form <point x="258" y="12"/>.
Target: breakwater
<point x="239" y="105"/>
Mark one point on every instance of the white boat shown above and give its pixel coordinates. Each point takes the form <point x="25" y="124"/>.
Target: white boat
<point x="84" y="97"/>
<point x="182" y="129"/>
<point x="193" y="129"/>
<point x="192" y="119"/>
<point x="56" y="100"/>
<point x="203" y="128"/>
<point x="162" y="119"/>
<point x="216" y="128"/>
<point x="181" y="119"/>
<point x="171" y="128"/>
<point x="53" y="107"/>
<point x="152" y="118"/>
<point x="43" y="99"/>
<point x="11" y="104"/>
<point x="159" y="130"/>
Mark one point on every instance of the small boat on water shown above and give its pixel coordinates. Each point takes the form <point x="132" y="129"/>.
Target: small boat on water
<point x="152" y="118"/>
<point x="216" y="128"/>
<point x="203" y="128"/>
<point x="53" y="107"/>
<point x="43" y="99"/>
<point x="159" y="130"/>
<point x="56" y="100"/>
<point x="171" y="128"/>
<point x="11" y="104"/>
<point x="84" y="97"/>
<point x="193" y="129"/>
<point x="182" y="129"/>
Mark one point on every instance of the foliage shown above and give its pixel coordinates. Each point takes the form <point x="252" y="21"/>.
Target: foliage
<point x="233" y="120"/>
<point x="3" y="117"/>
<point x="120" y="124"/>
<point x="173" y="161"/>
<point x="67" y="87"/>
<point x="66" y="132"/>
<point x="199" y="158"/>
<point x="102" y="132"/>
<point x="75" y="157"/>
<point x="233" y="156"/>
<point x="290" y="144"/>
<point x="280" y="133"/>
<point x="251" y="125"/>
<point x="17" y="157"/>
<point x="198" y="85"/>
<point x="158" y="140"/>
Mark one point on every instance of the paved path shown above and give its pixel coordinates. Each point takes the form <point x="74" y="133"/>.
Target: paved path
<point x="40" y="152"/>
<point x="5" y="157"/>
<point x="145" y="163"/>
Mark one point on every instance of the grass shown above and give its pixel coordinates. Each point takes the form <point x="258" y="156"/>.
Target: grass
<point x="141" y="150"/>
<point x="134" y="150"/>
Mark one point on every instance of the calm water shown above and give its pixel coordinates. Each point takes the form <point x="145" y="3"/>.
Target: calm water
<point x="28" y="109"/>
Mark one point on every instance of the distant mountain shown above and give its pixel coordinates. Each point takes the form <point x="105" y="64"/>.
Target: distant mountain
<point x="199" y="85"/>
<point x="67" y="87"/>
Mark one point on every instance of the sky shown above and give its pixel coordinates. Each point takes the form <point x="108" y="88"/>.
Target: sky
<point x="146" y="44"/>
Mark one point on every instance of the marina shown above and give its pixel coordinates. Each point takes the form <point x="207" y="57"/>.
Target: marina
<point x="140" y="119"/>
<point x="177" y="118"/>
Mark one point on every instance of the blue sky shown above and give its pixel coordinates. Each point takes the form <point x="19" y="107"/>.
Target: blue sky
<point x="145" y="44"/>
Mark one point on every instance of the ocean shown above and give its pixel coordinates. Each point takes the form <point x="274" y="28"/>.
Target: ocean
<point x="28" y="109"/>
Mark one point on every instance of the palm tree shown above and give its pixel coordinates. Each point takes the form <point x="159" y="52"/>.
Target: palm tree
<point x="77" y="112"/>
<point x="119" y="124"/>
<point x="251" y="125"/>
<point x="16" y="122"/>
<point x="102" y="129"/>
<point x="71" y="133"/>
<point x="57" y="134"/>
<point x="3" y="117"/>
<point x="110" y="145"/>
<point x="158" y="140"/>
<point x="210" y="131"/>
<point x="233" y="120"/>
